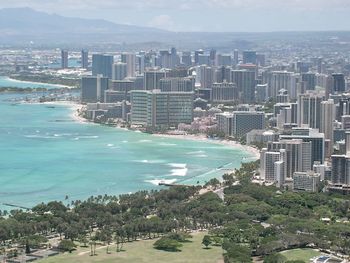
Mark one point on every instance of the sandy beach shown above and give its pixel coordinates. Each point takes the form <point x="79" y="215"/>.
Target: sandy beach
<point x="201" y="137"/>
<point x="75" y="107"/>
<point x="39" y="83"/>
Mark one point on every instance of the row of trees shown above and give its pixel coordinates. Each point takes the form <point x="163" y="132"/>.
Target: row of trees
<point x="252" y="220"/>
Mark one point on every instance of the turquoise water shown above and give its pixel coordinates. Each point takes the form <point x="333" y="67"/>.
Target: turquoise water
<point x="46" y="155"/>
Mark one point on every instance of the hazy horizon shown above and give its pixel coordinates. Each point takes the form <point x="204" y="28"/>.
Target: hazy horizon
<point x="205" y="15"/>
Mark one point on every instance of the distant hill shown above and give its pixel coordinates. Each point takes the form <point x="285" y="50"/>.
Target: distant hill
<point x="28" y="24"/>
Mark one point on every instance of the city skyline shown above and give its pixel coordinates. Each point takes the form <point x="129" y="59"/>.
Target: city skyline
<point x="205" y="15"/>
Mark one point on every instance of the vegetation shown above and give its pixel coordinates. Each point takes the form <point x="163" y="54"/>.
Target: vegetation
<point x="47" y="78"/>
<point x="252" y="220"/>
<point x="143" y="252"/>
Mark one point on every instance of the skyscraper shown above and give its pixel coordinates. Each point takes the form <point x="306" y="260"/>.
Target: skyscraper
<point x="93" y="88"/>
<point x="130" y="60"/>
<point x="309" y="110"/>
<point x="326" y="127"/>
<point x="245" y="81"/>
<point x="338" y="82"/>
<point x="310" y="80"/>
<point x="119" y="71"/>
<point x="84" y="59"/>
<point x="224" y="92"/>
<point x="196" y="55"/>
<point x="235" y="57"/>
<point x="64" y="58"/>
<point x="161" y="109"/>
<point x="249" y="57"/>
<point x="102" y="65"/>
<point x="152" y="78"/>
<point x="313" y="136"/>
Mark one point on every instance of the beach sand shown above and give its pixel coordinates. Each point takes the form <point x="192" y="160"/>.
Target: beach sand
<point x="76" y="107"/>
<point x="201" y="137"/>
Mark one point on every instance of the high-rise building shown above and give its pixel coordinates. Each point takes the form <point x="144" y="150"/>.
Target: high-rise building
<point x="306" y="181"/>
<point x="85" y="59"/>
<point x="64" y="58"/>
<point x="246" y="121"/>
<point x="310" y="80"/>
<point x="224" y="121"/>
<point x="235" y="57"/>
<point x="204" y="59"/>
<point x="340" y="170"/>
<point x="196" y="55"/>
<point x="186" y="84"/>
<point x="161" y="109"/>
<point x="102" y="65"/>
<point x="119" y="90"/>
<point x="186" y="59"/>
<point x="130" y="60"/>
<point x="326" y="127"/>
<point x="93" y="88"/>
<point x="174" y="59"/>
<point x="309" y="110"/>
<point x="245" y="81"/>
<point x="120" y="71"/>
<point x="298" y="154"/>
<point x="152" y="78"/>
<point x="223" y="60"/>
<point x="223" y="74"/>
<point x="338" y="82"/>
<point x="224" y="92"/>
<point x="278" y="80"/>
<point x="205" y="76"/>
<point x="249" y="57"/>
<point x="273" y="166"/>
<point x="310" y="135"/>
<point x="261" y="93"/>
<point x="260" y="60"/>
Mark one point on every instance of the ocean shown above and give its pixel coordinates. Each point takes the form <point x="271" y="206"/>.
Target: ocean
<point x="46" y="155"/>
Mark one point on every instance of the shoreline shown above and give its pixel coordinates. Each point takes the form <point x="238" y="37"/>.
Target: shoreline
<point x="76" y="107"/>
<point x="202" y="138"/>
<point x="36" y="83"/>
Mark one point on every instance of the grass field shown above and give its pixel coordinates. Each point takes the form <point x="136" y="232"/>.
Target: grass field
<point x="143" y="251"/>
<point x="301" y="254"/>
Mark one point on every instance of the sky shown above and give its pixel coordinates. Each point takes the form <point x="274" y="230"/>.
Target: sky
<point x="205" y="15"/>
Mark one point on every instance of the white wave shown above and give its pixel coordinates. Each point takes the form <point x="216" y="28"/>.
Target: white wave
<point x="179" y="172"/>
<point x="163" y="181"/>
<point x="39" y="136"/>
<point x="110" y="145"/>
<point x="145" y="141"/>
<point x="148" y="161"/>
<point x="180" y="169"/>
<point x="88" y="137"/>
<point x="178" y="165"/>
<point x="201" y="156"/>
<point x="124" y="141"/>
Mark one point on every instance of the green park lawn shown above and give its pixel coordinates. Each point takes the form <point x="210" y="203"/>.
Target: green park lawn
<point x="143" y="251"/>
<point x="301" y="254"/>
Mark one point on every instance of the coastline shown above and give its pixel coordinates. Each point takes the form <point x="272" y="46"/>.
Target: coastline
<point x="36" y="83"/>
<point x="202" y="138"/>
<point x="76" y="108"/>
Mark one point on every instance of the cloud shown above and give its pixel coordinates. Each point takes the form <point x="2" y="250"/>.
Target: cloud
<point x="162" y="22"/>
